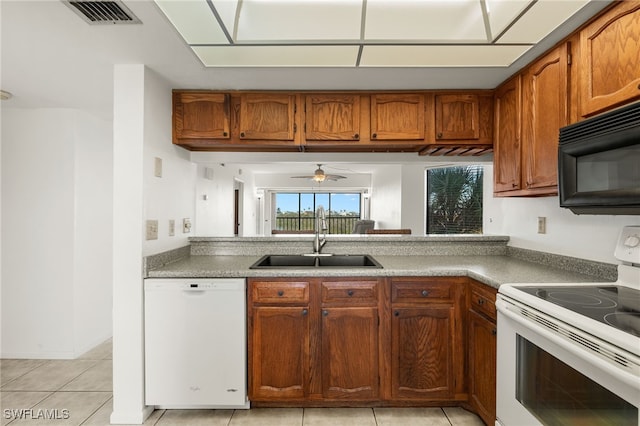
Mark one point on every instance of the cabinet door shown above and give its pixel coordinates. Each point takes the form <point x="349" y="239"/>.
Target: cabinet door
<point x="267" y="116"/>
<point x="332" y="117"/>
<point x="545" y="104"/>
<point x="457" y="117"/>
<point x="422" y="352"/>
<point x="506" y="149"/>
<point x="200" y="115"/>
<point x="350" y="353"/>
<point x="610" y="59"/>
<point x="397" y="116"/>
<point x="482" y="366"/>
<point x="279" y="358"/>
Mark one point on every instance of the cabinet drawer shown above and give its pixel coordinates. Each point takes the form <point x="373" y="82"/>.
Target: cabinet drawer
<point x="280" y="292"/>
<point x="421" y="290"/>
<point x="351" y="292"/>
<point x="482" y="300"/>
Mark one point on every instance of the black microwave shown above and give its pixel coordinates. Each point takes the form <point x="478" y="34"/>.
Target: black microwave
<point x="599" y="163"/>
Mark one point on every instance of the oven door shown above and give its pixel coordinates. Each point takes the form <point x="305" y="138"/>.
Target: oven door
<point x="542" y="380"/>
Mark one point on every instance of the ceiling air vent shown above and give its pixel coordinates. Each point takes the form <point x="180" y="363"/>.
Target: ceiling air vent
<point x="103" y="12"/>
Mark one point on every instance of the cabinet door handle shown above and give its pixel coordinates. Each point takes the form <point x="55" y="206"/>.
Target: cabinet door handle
<point x="305" y="312"/>
<point x="425" y="293"/>
<point x="356" y="136"/>
<point x="375" y="135"/>
<point x="396" y="313"/>
<point x="480" y="302"/>
<point x="225" y="134"/>
<point x="280" y="293"/>
<point x="439" y="135"/>
<point x="494" y="332"/>
<point x="242" y="134"/>
<point x="350" y="292"/>
<point x="325" y="313"/>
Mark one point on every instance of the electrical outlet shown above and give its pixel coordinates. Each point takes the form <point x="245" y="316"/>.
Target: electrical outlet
<point x="186" y="225"/>
<point x="152" y="230"/>
<point x="172" y="227"/>
<point x="542" y="225"/>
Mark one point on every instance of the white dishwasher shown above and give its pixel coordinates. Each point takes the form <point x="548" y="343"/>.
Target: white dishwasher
<point x="195" y="343"/>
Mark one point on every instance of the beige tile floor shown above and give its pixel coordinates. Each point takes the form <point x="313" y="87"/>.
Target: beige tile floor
<point x="83" y="387"/>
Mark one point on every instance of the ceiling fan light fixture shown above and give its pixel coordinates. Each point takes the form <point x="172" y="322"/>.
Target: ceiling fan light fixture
<point x="320" y="176"/>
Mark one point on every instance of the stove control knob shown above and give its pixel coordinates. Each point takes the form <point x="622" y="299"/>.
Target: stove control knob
<point x="632" y="241"/>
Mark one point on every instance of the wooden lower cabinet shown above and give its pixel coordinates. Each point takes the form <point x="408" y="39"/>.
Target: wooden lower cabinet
<point x="280" y="345"/>
<point x="482" y="351"/>
<point x="361" y="341"/>
<point x="427" y="349"/>
<point x="350" y="353"/>
<point x="421" y="348"/>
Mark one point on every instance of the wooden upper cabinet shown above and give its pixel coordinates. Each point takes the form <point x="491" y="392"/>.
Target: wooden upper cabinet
<point x="332" y="117"/>
<point x="546" y="108"/>
<point x="507" y="130"/>
<point x="397" y="116"/>
<point x="200" y="115"/>
<point x="457" y="117"/>
<point x="267" y="116"/>
<point x="610" y="59"/>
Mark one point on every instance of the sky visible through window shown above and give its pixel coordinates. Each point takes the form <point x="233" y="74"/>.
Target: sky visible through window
<point x="288" y="202"/>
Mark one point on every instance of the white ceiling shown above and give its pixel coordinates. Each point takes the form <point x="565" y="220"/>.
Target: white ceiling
<point x="52" y="58"/>
<point x="365" y="33"/>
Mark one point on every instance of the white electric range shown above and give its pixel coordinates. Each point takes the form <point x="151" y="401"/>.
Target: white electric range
<point x="570" y="353"/>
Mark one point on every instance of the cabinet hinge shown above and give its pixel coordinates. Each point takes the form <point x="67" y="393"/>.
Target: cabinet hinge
<point x="568" y="58"/>
<point x="295" y="108"/>
<point x="305" y="127"/>
<point x="295" y="127"/>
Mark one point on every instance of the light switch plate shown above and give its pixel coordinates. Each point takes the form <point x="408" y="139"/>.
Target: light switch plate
<point x="157" y="167"/>
<point x="152" y="230"/>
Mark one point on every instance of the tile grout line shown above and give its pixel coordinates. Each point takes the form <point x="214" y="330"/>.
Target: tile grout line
<point x="45" y="361"/>
<point x="96" y="410"/>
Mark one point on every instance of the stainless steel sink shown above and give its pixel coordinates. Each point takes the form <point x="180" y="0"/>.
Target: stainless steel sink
<point x="276" y="261"/>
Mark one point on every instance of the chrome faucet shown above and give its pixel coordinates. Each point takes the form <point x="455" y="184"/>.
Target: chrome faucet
<point x="321" y="223"/>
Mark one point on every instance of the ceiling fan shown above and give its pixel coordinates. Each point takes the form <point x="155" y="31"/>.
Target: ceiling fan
<point x="320" y="176"/>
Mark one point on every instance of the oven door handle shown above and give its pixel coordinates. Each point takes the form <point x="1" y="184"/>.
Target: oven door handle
<point x="629" y="378"/>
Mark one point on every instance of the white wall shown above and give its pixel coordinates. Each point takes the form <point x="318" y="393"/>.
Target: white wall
<point x="172" y="196"/>
<point x="56" y="185"/>
<point x="413" y="205"/>
<point x="591" y="237"/>
<point x="142" y="132"/>
<point x="386" y="197"/>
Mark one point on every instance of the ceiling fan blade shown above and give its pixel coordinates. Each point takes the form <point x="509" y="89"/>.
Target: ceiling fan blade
<point x="302" y="177"/>
<point x="334" y="177"/>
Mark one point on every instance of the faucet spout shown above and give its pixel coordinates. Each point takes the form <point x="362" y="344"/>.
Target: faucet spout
<point x="321" y="224"/>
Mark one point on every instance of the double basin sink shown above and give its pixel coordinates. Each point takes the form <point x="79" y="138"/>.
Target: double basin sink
<point x="296" y="261"/>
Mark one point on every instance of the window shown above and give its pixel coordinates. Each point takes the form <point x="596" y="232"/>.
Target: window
<point x="295" y="211"/>
<point x="454" y="200"/>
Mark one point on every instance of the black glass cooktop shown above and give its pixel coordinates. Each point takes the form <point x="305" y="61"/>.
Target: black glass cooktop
<point x="616" y="306"/>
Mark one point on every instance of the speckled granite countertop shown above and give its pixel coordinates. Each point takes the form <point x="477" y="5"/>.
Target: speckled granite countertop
<point x="492" y="270"/>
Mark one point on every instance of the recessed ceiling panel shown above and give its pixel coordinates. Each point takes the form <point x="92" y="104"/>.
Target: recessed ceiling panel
<point x="226" y="9"/>
<point x="542" y="18"/>
<point x="502" y="13"/>
<point x="194" y="20"/>
<point x="441" y="56"/>
<point x="287" y="20"/>
<point x="277" y="56"/>
<point x="420" y="20"/>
